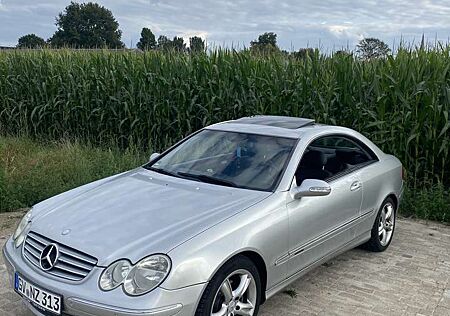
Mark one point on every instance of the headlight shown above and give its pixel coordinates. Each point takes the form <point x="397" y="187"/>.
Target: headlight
<point x="139" y="279"/>
<point x="147" y="274"/>
<point x="18" y="236"/>
<point x="114" y="275"/>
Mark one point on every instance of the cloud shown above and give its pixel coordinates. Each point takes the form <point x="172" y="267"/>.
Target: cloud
<point x="327" y="23"/>
<point x="340" y="31"/>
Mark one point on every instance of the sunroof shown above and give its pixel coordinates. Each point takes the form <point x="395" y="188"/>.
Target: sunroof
<point x="276" y="121"/>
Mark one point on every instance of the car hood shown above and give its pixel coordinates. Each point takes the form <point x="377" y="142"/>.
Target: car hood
<point x="138" y="213"/>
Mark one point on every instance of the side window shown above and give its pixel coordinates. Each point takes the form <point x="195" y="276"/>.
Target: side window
<point x="331" y="155"/>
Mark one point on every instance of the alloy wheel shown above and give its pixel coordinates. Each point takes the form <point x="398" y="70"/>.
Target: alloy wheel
<point x="236" y="296"/>
<point x="386" y="224"/>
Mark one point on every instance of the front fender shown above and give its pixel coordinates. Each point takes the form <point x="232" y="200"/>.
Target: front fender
<point x="263" y="229"/>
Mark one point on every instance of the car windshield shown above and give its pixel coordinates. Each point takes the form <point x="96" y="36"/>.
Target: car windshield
<point x="228" y="158"/>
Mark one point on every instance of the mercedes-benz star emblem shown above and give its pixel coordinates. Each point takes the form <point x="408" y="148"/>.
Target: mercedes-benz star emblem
<point x="49" y="257"/>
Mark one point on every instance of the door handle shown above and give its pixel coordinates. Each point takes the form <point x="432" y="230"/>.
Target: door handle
<point x="355" y="186"/>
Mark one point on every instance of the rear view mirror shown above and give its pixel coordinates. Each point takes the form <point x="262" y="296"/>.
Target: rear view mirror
<point x="311" y="187"/>
<point x="154" y="156"/>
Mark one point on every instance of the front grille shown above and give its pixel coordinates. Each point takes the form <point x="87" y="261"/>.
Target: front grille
<point x="71" y="264"/>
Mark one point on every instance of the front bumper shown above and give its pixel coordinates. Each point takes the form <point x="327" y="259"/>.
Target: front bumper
<point x="84" y="298"/>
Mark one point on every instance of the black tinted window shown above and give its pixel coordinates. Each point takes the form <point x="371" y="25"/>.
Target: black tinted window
<point x="329" y="156"/>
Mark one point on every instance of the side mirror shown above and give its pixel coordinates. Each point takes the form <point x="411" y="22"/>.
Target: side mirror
<point x="311" y="187"/>
<point x="154" y="156"/>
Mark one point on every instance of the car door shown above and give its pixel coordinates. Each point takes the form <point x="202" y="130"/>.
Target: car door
<point x="320" y="225"/>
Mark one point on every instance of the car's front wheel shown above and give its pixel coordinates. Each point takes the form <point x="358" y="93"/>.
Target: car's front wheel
<point x="234" y="290"/>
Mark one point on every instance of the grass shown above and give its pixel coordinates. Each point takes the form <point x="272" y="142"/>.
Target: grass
<point x="31" y="171"/>
<point x="430" y="202"/>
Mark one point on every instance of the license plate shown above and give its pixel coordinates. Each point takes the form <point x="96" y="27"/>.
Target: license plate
<point x="37" y="296"/>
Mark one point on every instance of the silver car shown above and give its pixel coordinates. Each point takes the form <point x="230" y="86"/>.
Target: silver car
<point x="213" y="226"/>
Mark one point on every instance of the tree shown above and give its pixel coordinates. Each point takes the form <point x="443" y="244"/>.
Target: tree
<point x="370" y="48"/>
<point x="178" y="44"/>
<point x="164" y="43"/>
<point x="31" y="41"/>
<point x="147" y="41"/>
<point x="266" y="42"/>
<point x="87" y="25"/>
<point x="302" y="53"/>
<point x="196" y="44"/>
<point x="268" y="38"/>
<point x="342" y="53"/>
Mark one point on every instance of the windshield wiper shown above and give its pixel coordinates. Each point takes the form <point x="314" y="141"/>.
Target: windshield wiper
<point x="207" y="179"/>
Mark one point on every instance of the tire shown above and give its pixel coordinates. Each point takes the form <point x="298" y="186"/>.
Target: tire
<point x="378" y="242"/>
<point x="235" y="270"/>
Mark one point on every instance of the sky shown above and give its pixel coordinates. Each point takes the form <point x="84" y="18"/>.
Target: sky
<point x="328" y="25"/>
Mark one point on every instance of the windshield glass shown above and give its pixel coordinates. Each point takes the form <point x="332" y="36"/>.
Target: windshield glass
<point x="229" y="158"/>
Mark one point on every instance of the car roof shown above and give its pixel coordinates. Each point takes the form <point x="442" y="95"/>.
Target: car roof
<point x="281" y="126"/>
<point x="291" y="127"/>
<point x="276" y="121"/>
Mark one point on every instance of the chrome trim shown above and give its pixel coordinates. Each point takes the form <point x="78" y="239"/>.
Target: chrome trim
<point x="68" y="269"/>
<point x="297" y="252"/>
<point x="73" y="263"/>
<point x="160" y="311"/>
<point x="69" y="265"/>
<point x="349" y="245"/>
<point x="282" y="259"/>
<point x="32" y="244"/>
<point x="73" y="255"/>
<point x="38" y="239"/>
<point x="322" y="238"/>
<point x="319" y="239"/>
<point x="32" y="252"/>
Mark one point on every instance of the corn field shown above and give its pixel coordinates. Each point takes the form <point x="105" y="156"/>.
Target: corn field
<point x="153" y="99"/>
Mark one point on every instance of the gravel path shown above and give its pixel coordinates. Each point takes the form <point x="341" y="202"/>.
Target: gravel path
<point x="411" y="278"/>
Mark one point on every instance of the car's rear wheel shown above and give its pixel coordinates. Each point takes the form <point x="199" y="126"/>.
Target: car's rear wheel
<point x="234" y="290"/>
<point x="383" y="228"/>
